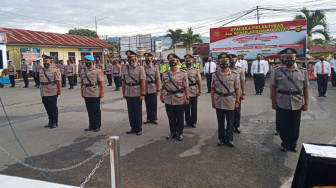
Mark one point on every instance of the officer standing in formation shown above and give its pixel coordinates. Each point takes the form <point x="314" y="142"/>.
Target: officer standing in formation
<point x="259" y="70"/>
<point x="209" y="69"/>
<point x="225" y="98"/>
<point x="175" y="94"/>
<point x="322" y="71"/>
<point x="75" y="73"/>
<point x="37" y="73"/>
<point x="333" y="68"/>
<point x="242" y="63"/>
<point x="34" y="72"/>
<point x="98" y="65"/>
<point x="133" y="89"/>
<point x="61" y="67"/>
<point x="116" y="72"/>
<point x="50" y="88"/>
<point x="11" y="72"/>
<point x="24" y="71"/>
<point x="289" y="95"/>
<point x="241" y="74"/>
<point x="81" y="66"/>
<point x="70" y="72"/>
<point x="108" y="72"/>
<point x="163" y="68"/>
<point x="194" y="79"/>
<point x="152" y="89"/>
<point x="92" y="90"/>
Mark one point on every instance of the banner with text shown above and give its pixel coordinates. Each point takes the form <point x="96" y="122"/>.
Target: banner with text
<point x="267" y="39"/>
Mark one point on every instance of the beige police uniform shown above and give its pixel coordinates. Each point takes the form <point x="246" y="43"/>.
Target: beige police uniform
<point x="138" y="73"/>
<point x="99" y="66"/>
<point x="193" y="77"/>
<point x="152" y="74"/>
<point x="47" y="88"/>
<point x="237" y="111"/>
<point x="11" y="69"/>
<point x="108" y="69"/>
<point x="24" y="67"/>
<point x="95" y="75"/>
<point x="70" y="70"/>
<point x="180" y="78"/>
<point x="190" y="109"/>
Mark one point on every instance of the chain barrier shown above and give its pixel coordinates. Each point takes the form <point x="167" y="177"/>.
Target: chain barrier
<point x="95" y="168"/>
<point x="46" y="169"/>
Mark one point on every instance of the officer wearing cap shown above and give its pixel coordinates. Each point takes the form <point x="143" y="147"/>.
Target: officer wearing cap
<point x="241" y="75"/>
<point x="152" y="89"/>
<point x="289" y="95"/>
<point x="11" y="72"/>
<point x="194" y="78"/>
<point x="116" y="72"/>
<point x="50" y="88"/>
<point x="24" y="71"/>
<point x="108" y="72"/>
<point x="133" y="89"/>
<point x="175" y="94"/>
<point x="92" y="90"/>
<point x="61" y="67"/>
<point x="225" y="96"/>
<point x="98" y="65"/>
<point x="70" y="72"/>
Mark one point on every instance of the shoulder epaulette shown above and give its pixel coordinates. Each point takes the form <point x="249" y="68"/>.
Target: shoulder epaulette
<point x="302" y="68"/>
<point x="182" y="70"/>
<point x="234" y="71"/>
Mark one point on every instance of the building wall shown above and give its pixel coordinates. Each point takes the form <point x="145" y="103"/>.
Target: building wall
<point x="4" y="57"/>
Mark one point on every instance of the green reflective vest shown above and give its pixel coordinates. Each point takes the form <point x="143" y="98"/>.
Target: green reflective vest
<point x="163" y="68"/>
<point x="197" y="65"/>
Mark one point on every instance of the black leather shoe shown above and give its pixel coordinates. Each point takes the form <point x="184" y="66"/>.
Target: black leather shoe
<point x="260" y="93"/>
<point x="277" y="133"/>
<point x="96" y="130"/>
<point x="139" y="133"/>
<point x="171" y="136"/>
<point x="230" y="143"/>
<point x="284" y="149"/>
<point x="155" y="122"/>
<point x="193" y="125"/>
<point x="180" y="137"/>
<point x="209" y="92"/>
<point x="220" y="143"/>
<point x="52" y="126"/>
<point x="147" y="122"/>
<point x="186" y="125"/>
<point x="89" y="129"/>
<point x="47" y="126"/>
<point x="237" y="130"/>
<point x="130" y="131"/>
<point x="293" y="149"/>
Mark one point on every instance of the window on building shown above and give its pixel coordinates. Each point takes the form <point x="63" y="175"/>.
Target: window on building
<point x="54" y="56"/>
<point x="98" y="54"/>
<point x="72" y="56"/>
<point x="83" y="54"/>
<point x="7" y="55"/>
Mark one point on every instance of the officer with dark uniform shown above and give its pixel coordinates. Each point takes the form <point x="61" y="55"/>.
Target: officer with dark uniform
<point x="70" y="72"/>
<point x="92" y="90"/>
<point x="194" y="78"/>
<point x="241" y="75"/>
<point x="24" y="71"/>
<point x="108" y="72"/>
<point x="152" y="89"/>
<point x="50" y="88"/>
<point x="116" y="73"/>
<point x="75" y="74"/>
<point x="289" y="95"/>
<point x="11" y="72"/>
<point x="175" y="94"/>
<point x="133" y="89"/>
<point x="225" y="96"/>
<point x="61" y="67"/>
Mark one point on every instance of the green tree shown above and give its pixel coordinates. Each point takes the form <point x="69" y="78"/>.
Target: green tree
<point x="314" y="19"/>
<point x="319" y="41"/>
<point x="189" y="38"/>
<point x="83" y="32"/>
<point x="175" y="37"/>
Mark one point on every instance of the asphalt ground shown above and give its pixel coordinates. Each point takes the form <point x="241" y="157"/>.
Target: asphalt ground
<point x="150" y="160"/>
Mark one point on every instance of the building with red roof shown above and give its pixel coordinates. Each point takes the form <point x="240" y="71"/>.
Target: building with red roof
<point x="319" y="49"/>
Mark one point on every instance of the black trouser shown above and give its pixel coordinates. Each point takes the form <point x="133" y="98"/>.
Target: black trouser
<point x="333" y="77"/>
<point x="63" y="80"/>
<point x="175" y="115"/>
<point x="259" y="82"/>
<point x="161" y="74"/>
<point x="277" y="121"/>
<point x="25" y="78"/>
<point x="134" y="108"/>
<point x="209" y="78"/>
<point x="37" y="78"/>
<point x="225" y="134"/>
<point x="322" y="83"/>
<point x="117" y="82"/>
<point x="191" y="112"/>
<point x="71" y="81"/>
<point x="50" y="104"/>
<point x="151" y="106"/>
<point x="94" y="113"/>
<point x="12" y="80"/>
<point x="75" y="79"/>
<point x="237" y="115"/>
<point x="289" y="121"/>
<point x="109" y="79"/>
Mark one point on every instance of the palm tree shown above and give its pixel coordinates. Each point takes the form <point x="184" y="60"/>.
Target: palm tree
<point x="189" y="38"/>
<point x="175" y="37"/>
<point x="314" y="19"/>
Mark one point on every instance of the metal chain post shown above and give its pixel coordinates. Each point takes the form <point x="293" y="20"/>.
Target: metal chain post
<point x="114" y="160"/>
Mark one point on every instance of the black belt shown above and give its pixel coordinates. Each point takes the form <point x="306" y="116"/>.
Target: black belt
<point x="151" y="82"/>
<point x="69" y="72"/>
<point x="289" y="92"/>
<point x="193" y="84"/>
<point x="47" y="83"/>
<point x="133" y="84"/>
<point x="10" y="71"/>
<point x="174" y="92"/>
<point x="90" y="85"/>
<point x="224" y="94"/>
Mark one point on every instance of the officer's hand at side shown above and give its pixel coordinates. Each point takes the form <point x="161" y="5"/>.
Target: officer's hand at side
<point x="242" y="97"/>
<point x="274" y="105"/>
<point x="198" y="94"/>
<point x="82" y="95"/>
<point x="101" y="95"/>
<point x="157" y="93"/>
<point x="213" y="104"/>
<point x="58" y="92"/>
<point x="142" y="97"/>
<point x="124" y="96"/>
<point x="186" y="101"/>
<point x="305" y="107"/>
<point x="161" y="99"/>
<point x="237" y="105"/>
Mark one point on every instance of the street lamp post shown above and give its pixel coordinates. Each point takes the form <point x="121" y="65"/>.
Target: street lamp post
<point x="96" y="21"/>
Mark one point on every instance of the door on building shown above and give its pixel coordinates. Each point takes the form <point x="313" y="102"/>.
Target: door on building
<point x="72" y="56"/>
<point x="83" y="54"/>
<point x="100" y="55"/>
<point x="1" y="61"/>
<point x="54" y="57"/>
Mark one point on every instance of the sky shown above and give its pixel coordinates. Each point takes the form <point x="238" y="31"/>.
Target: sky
<point x="131" y="17"/>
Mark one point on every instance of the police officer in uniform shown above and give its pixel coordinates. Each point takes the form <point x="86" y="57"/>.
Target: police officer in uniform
<point x="61" y="67"/>
<point x="24" y="71"/>
<point x="98" y="64"/>
<point x="116" y="72"/>
<point x="163" y="67"/>
<point x="241" y="75"/>
<point x="50" y="88"/>
<point x="152" y="89"/>
<point x="225" y="96"/>
<point x="37" y="73"/>
<point x="11" y="72"/>
<point x="70" y="71"/>
<point x="108" y="72"/>
<point x="92" y="90"/>
<point x="133" y="89"/>
<point x="75" y="74"/>
<point x="194" y="78"/>
<point x="289" y="95"/>
<point x="34" y="72"/>
<point x="175" y="94"/>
